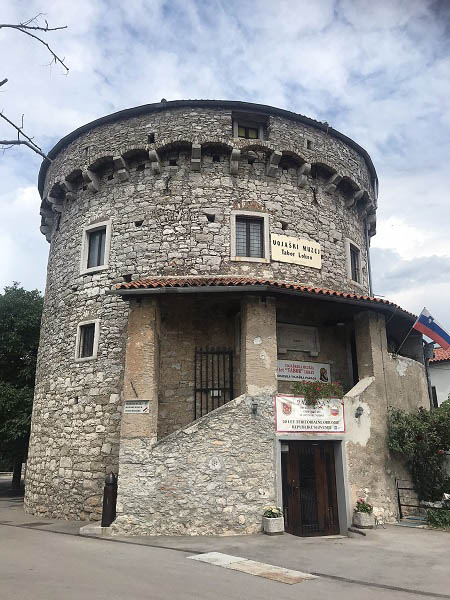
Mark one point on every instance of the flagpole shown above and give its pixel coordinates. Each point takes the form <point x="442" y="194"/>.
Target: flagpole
<point x="400" y="347"/>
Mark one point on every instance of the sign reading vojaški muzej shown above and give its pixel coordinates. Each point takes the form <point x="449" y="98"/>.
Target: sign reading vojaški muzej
<point x="296" y="250"/>
<point x="293" y="415"/>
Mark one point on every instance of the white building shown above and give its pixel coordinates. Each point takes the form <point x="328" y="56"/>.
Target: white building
<point x="440" y="375"/>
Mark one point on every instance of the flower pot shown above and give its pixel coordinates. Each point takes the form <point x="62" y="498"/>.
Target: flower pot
<point x="363" y="520"/>
<point x="273" y="525"/>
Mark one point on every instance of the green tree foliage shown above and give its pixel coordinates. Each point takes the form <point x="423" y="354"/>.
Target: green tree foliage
<point x="423" y="438"/>
<point x="20" y="317"/>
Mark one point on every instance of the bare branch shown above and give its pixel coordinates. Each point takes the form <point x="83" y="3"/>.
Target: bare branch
<point x="9" y="143"/>
<point x="26" y="28"/>
<point x="19" y="129"/>
<point x="3" y="82"/>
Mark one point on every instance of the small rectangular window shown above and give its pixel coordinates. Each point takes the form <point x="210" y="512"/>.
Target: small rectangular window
<point x="249" y="133"/>
<point x="249" y="237"/>
<point x="355" y="263"/>
<point x="96" y="247"/>
<point x="86" y="345"/>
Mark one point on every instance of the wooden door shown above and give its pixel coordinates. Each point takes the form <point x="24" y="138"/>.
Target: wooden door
<point x="310" y="487"/>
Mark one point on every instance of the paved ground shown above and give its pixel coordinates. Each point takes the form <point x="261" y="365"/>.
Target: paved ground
<point x="46" y="559"/>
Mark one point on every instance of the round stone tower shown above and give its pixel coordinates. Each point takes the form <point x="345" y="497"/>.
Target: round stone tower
<point x="174" y="189"/>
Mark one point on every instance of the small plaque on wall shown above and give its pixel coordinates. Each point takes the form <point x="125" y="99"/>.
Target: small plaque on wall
<point x="296" y="370"/>
<point x="299" y="338"/>
<point x="136" y="407"/>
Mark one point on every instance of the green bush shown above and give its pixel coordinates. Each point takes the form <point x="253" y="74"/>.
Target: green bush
<point x="423" y="438"/>
<point x="439" y="518"/>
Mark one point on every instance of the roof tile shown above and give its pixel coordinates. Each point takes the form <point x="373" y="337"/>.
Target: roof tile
<point x="441" y="354"/>
<point x="203" y="281"/>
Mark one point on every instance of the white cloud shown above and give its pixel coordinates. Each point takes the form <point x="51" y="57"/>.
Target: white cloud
<point x="377" y="71"/>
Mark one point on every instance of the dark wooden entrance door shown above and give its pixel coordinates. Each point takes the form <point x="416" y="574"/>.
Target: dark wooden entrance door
<point x="309" y="489"/>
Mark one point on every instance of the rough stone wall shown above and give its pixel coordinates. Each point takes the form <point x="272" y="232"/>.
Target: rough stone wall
<point x="188" y="323"/>
<point x="159" y="227"/>
<point x="384" y="381"/>
<point x="333" y="340"/>
<point x="213" y="477"/>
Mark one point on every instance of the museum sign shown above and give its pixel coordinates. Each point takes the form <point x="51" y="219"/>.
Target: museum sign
<point x="296" y="250"/>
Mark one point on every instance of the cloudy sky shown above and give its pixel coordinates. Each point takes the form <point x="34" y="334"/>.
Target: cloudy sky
<point x="379" y="71"/>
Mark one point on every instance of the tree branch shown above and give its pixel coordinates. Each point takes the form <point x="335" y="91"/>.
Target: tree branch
<point x="24" y="143"/>
<point x="26" y="27"/>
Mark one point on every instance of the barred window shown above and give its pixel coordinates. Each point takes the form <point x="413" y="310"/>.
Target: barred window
<point x="355" y="263"/>
<point x="249" y="237"/>
<point x="96" y="251"/>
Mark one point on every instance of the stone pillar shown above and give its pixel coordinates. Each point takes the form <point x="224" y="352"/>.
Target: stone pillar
<point x="142" y="369"/>
<point x="371" y="343"/>
<point x="258" y="345"/>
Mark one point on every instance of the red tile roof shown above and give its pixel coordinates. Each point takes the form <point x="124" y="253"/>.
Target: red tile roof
<point x="441" y="354"/>
<point x="218" y="281"/>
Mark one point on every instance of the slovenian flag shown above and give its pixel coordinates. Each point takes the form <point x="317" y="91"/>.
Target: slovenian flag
<point x="427" y="325"/>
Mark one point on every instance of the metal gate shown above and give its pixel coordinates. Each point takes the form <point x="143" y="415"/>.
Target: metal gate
<point x="213" y="383"/>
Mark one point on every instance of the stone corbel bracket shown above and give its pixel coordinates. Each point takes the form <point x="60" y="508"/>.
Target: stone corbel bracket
<point x="121" y="168"/>
<point x="196" y="157"/>
<point x="69" y="190"/>
<point x="302" y="174"/>
<point x="91" y="180"/>
<point x="274" y="161"/>
<point x="353" y="200"/>
<point x="234" y="161"/>
<point x="55" y="203"/>
<point x="332" y="183"/>
<point x="155" y="163"/>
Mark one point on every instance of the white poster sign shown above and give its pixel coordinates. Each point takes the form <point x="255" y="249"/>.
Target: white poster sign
<point x="296" y="370"/>
<point x="296" y="250"/>
<point x="136" y="407"/>
<point x="292" y="415"/>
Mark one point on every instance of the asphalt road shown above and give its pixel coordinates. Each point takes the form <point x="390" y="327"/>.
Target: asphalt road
<point x="41" y="559"/>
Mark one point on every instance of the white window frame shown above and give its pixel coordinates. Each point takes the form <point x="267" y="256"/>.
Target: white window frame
<point x="266" y="236"/>
<point x="85" y="247"/>
<point x="348" y="243"/>
<point x="78" y="358"/>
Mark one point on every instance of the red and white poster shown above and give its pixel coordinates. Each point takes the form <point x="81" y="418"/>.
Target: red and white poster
<point x="293" y="415"/>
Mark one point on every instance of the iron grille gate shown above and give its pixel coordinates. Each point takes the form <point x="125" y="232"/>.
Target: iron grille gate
<point x="213" y="381"/>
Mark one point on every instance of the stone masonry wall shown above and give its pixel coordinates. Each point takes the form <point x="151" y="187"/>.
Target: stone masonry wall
<point x="213" y="477"/>
<point x="160" y="226"/>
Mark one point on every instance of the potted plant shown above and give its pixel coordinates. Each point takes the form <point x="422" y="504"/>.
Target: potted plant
<point x="273" y="520"/>
<point x="315" y="391"/>
<point x="363" y="516"/>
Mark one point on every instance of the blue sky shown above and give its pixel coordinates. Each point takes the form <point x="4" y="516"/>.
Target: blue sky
<point x="377" y="71"/>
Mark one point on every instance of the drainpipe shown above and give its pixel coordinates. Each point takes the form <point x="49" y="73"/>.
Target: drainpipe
<point x="369" y="269"/>
<point x="428" y="353"/>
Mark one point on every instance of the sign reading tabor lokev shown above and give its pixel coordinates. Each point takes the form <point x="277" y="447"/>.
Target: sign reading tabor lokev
<point x="296" y="250"/>
<point x="292" y="415"/>
<point x="297" y="370"/>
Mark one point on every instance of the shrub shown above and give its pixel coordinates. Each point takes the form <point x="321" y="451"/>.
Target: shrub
<point x="439" y="518"/>
<point x="423" y="438"/>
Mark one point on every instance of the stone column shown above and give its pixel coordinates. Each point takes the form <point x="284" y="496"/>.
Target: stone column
<point x="258" y="345"/>
<point x="371" y="343"/>
<point x="142" y="369"/>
